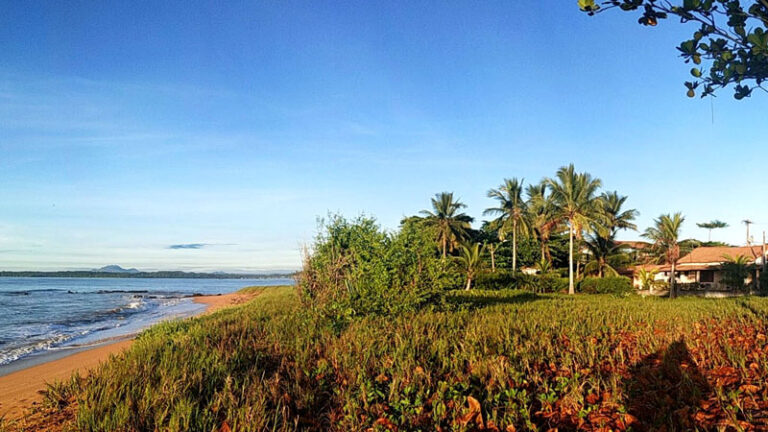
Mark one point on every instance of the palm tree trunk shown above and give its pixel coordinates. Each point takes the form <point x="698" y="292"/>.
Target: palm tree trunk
<point x="545" y="250"/>
<point x="493" y="258"/>
<point x="672" y="284"/>
<point x="514" y="246"/>
<point x="445" y="246"/>
<point x="469" y="283"/>
<point x="571" y="288"/>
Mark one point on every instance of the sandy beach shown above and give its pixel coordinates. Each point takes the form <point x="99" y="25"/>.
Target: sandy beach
<point x="21" y="390"/>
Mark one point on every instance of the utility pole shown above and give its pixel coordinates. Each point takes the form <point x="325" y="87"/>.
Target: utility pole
<point x="747" y="222"/>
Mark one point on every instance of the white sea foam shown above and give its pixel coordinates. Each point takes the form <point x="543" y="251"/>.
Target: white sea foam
<point x="54" y="314"/>
<point x="16" y="353"/>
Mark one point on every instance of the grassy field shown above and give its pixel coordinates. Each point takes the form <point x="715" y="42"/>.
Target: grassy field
<point x="490" y="361"/>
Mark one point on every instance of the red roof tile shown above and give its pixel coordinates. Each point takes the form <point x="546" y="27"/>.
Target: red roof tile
<point x="717" y="254"/>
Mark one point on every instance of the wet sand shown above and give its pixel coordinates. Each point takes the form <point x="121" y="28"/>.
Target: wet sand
<point x="21" y="390"/>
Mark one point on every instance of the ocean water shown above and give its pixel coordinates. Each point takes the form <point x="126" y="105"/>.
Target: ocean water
<point x="41" y="316"/>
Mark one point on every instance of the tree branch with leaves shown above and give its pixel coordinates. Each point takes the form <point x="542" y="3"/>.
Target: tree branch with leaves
<point x="729" y="46"/>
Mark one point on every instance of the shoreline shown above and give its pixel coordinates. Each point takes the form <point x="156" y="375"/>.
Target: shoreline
<point x="20" y="390"/>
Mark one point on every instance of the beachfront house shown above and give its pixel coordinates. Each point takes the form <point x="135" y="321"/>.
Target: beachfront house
<point x="702" y="269"/>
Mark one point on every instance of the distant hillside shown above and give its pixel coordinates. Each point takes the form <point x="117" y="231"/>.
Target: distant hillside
<point x="115" y="269"/>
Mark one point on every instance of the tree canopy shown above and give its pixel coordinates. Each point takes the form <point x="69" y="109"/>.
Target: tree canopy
<point x="728" y="47"/>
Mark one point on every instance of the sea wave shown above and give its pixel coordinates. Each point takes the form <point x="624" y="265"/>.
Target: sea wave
<point x="142" y="293"/>
<point x="84" y="328"/>
<point x="13" y="354"/>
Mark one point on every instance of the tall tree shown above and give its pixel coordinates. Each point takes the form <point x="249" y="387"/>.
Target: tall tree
<point x="542" y="216"/>
<point x="730" y="38"/>
<point x="470" y="260"/>
<point x="511" y="212"/>
<point x="577" y="202"/>
<point x="665" y="239"/>
<point x="709" y="226"/>
<point x="450" y="223"/>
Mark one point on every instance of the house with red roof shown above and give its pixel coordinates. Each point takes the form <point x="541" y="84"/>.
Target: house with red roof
<point x="702" y="269"/>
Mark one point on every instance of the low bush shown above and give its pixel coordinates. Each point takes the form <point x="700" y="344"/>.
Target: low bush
<point x="607" y="285"/>
<point x="690" y="286"/>
<point x="500" y="279"/>
<point x="505" y="279"/>
<point x="552" y="283"/>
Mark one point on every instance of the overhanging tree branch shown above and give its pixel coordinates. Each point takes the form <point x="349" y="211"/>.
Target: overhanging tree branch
<point x="735" y="53"/>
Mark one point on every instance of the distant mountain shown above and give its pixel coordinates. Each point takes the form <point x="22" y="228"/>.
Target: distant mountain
<point x="116" y="269"/>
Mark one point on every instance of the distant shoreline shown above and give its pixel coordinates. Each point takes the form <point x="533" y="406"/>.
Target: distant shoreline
<point x="143" y="275"/>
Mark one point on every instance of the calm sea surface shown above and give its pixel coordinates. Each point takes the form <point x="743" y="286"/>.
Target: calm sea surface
<point x="39" y="316"/>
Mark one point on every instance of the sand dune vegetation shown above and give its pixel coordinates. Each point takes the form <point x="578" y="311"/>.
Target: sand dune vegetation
<point x="483" y="360"/>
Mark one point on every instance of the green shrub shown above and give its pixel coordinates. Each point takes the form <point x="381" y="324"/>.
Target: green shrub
<point x="505" y="279"/>
<point x="608" y="285"/>
<point x="500" y="279"/>
<point x="527" y="282"/>
<point x="552" y="283"/>
<point x="763" y="282"/>
<point x="356" y="268"/>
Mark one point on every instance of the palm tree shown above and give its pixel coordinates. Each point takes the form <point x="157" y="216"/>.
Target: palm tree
<point x="615" y="217"/>
<point x="511" y="212"/>
<point x="606" y="255"/>
<point x="542" y="216"/>
<point x="576" y="200"/>
<point x="665" y="235"/>
<point x="736" y="270"/>
<point x="470" y="260"/>
<point x="709" y="226"/>
<point x="489" y="234"/>
<point x="450" y="223"/>
<point x="647" y="278"/>
<point x="543" y="266"/>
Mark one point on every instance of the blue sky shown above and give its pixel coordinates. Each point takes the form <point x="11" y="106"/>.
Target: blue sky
<point x="129" y="127"/>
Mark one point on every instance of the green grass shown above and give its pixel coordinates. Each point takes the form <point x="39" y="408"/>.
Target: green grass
<point x="530" y="361"/>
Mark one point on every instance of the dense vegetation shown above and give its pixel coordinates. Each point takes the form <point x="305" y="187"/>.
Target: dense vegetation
<point x="485" y="360"/>
<point x="561" y="227"/>
<point x="356" y="268"/>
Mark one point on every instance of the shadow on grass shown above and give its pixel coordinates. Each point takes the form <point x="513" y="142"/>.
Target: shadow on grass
<point x="481" y="299"/>
<point x="665" y="389"/>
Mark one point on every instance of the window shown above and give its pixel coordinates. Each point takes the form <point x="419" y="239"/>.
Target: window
<point x="707" y="276"/>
